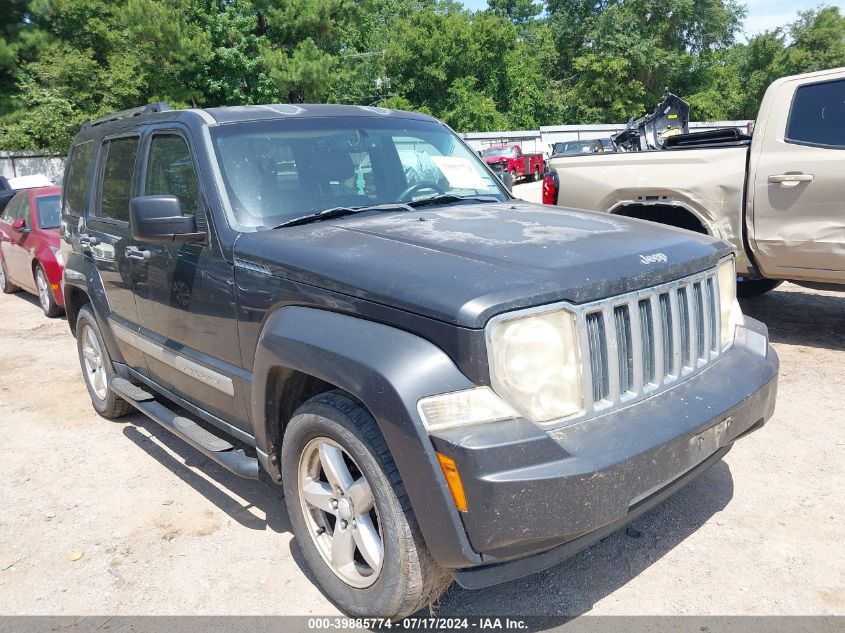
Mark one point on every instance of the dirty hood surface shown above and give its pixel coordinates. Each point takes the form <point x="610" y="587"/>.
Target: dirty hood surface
<point x="465" y="263"/>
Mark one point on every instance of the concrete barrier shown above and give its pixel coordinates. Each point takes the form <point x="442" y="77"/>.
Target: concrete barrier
<point x="15" y="164"/>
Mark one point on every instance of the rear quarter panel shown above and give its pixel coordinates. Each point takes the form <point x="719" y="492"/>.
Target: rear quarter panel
<point x="707" y="182"/>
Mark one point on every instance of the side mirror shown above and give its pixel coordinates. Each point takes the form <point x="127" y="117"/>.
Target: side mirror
<point x="19" y="226"/>
<point x="159" y="219"/>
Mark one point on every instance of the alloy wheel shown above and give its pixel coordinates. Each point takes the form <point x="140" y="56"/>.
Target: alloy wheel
<point x="340" y="513"/>
<point x="95" y="371"/>
<point x="2" y="276"/>
<point x="43" y="289"/>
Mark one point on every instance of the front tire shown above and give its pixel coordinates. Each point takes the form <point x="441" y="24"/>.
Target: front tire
<point x="748" y="288"/>
<point x="351" y="515"/>
<point x="97" y="367"/>
<point x="45" y="294"/>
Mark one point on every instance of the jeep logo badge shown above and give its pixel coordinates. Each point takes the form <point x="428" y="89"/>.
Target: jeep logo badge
<point x="653" y="258"/>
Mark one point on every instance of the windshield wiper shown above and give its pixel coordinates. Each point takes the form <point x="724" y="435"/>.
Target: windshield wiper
<point x="339" y="212"/>
<point x="445" y="198"/>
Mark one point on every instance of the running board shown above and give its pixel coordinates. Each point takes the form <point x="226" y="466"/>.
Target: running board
<point x="213" y="447"/>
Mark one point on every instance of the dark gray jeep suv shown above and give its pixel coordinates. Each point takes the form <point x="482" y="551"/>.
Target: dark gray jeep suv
<point x="447" y="382"/>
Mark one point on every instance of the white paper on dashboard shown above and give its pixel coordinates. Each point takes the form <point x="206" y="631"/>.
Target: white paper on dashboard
<point x="459" y="172"/>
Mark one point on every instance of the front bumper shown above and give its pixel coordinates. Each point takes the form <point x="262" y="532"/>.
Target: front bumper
<point x="538" y="497"/>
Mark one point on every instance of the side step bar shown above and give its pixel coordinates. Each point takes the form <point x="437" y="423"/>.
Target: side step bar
<point x="213" y="447"/>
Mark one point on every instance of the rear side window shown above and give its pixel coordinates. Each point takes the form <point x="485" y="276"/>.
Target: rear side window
<point x="76" y="183"/>
<point x="170" y="171"/>
<point x="47" y="210"/>
<point x="17" y="209"/>
<point x="9" y="211"/>
<point x="818" y="115"/>
<point x="117" y="169"/>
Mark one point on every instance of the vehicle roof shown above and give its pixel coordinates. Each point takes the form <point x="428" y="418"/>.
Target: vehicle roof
<point x="40" y="192"/>
<point x="231" y="114"/>
<point x="162" y="112"/>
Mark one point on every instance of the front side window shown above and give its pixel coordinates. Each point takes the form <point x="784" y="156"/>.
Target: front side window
<point x="117" y="170"/>
<point x="279" y="170"/>
<point x="48" y="211"/>
<point x="76" y="183"/>
<point x="170" y="171"/>
<point x="817" y="116"/>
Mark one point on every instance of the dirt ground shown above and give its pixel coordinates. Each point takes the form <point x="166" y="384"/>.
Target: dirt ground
<point x="100" y="517"/>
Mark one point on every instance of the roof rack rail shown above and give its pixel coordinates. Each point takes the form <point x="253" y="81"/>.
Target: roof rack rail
<point x="125" y="114"/>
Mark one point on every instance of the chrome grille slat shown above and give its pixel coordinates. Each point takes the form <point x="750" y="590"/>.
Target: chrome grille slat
<point x="613" y="391"/>
<point x="710" y="301"/>
<point x="622" y="323"/>
<point x="644" y="311"/>
<point x="597" y="347"/>
<point x="685" y="323"/>
<point x="700" y="323"/>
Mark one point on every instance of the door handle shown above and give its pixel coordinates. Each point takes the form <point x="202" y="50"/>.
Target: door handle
<point x="787" y="181"/>
<point x="133" y="252"/>
<point x="87" y="241"/>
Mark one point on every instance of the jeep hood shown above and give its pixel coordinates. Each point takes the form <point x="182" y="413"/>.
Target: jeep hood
<point x="464" y="263"/>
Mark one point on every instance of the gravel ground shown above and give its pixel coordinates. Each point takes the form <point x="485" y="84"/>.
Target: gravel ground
<point x="100" y="517"/>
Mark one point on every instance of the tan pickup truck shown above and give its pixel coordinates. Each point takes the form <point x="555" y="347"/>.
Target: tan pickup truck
<point x="777" y="196"/>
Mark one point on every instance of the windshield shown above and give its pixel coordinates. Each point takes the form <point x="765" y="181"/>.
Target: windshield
<point x="277" y="171"/>
<point x="574" y="147"/>
<point x="48" y="210"/>
<point x="498" y="151"/>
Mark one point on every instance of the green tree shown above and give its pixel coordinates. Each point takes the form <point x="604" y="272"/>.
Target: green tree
<point x="617" y="57"/>
<point x="520" y="12"/>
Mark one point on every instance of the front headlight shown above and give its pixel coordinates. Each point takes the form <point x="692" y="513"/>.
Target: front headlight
<point x="534" y="364"/>
<point x="731" y="313"/>
<point x="60" y="258"/>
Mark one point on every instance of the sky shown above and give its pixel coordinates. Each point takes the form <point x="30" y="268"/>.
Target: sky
<point x="762" y="14"/>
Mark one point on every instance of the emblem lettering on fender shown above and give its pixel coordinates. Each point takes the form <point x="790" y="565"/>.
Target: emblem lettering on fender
<point x="654" y="258"/>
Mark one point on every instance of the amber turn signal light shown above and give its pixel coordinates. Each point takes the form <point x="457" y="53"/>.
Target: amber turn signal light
<point x="453" y="478"/>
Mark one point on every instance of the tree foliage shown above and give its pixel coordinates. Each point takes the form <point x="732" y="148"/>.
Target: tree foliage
<point x="518" y="64"/>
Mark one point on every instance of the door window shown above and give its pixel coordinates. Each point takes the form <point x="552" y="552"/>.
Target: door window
<point x="817" y="116"/>
<point x="76" y="185"/>
<point x="118" y="167"/>
<point x="170" y="171"/>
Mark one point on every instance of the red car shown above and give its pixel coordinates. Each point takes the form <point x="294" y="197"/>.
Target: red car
<point x="509" y="158"/>
<point x="30" y="256"/>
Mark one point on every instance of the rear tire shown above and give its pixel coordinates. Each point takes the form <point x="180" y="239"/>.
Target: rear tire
<point x="45" y="293"/>
<point x="97" y="367"/>
<point x="406" y="577"/>
<point x="5" y="283"/>
<point x="538" y="174"/>
<point x="748" y="288"/>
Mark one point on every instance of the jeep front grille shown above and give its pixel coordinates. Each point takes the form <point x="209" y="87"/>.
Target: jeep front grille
<point x="639" y="344"/>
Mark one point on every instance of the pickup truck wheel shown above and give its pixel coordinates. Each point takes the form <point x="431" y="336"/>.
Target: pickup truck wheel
<point x="538" y="175"/>
<point x="97" y="366"/>
<point x="45" y="294"/>
<point x="5" y="284"/>
<point x="748" y="288"/>
<point x="351" y="515"/>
